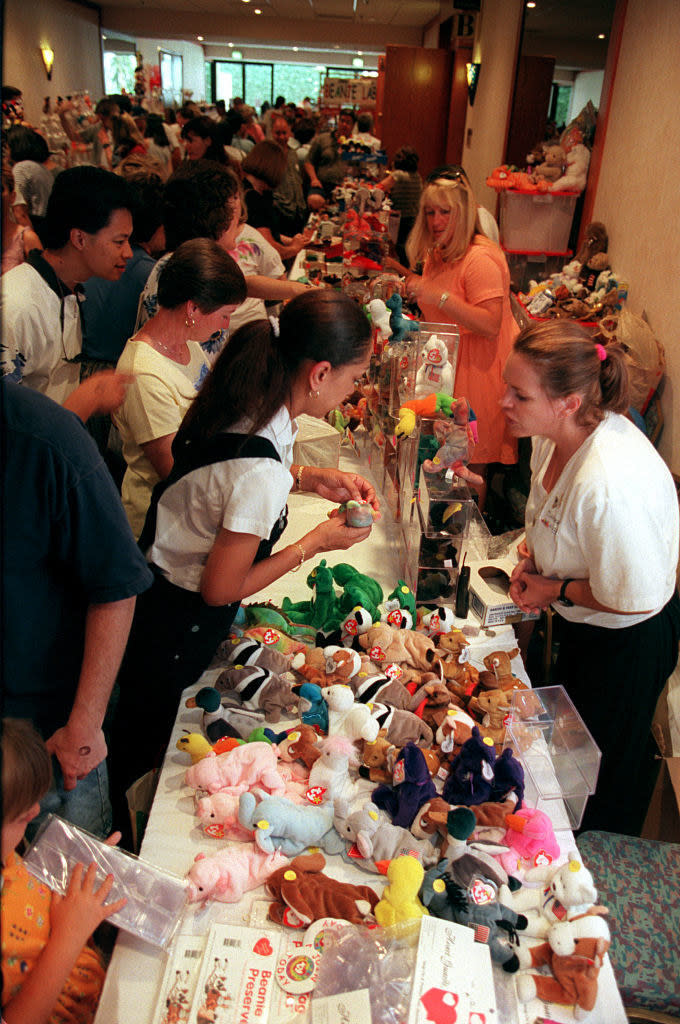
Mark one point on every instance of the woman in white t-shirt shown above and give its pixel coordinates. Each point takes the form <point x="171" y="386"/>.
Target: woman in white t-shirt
<point x="224" y="505"/>
<point x="199" y="288"/>
<point x="601" y="549"/>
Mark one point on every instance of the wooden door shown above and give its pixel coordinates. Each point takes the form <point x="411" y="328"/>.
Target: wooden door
<point x="416" y="103"/>
<point x="529" y="107"/>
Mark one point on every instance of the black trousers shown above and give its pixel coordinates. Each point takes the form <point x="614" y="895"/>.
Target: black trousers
<point x="615" y="677"/>
<point x="173" y="638"/>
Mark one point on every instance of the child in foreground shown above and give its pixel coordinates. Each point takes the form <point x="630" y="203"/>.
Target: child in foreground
<point x="51" y="973"/>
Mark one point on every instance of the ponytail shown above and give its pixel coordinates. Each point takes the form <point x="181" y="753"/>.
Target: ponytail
<point x="568" y="361"/>
<point x="255" y="372"/>
<point x="614" y="381"/>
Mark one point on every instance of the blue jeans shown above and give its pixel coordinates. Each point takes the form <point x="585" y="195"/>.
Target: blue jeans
<point x="87" y="806"/>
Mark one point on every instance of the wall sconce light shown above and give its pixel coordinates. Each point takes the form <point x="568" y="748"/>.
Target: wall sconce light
<point x="48" y="60"/>
<point x="472" y="79"/>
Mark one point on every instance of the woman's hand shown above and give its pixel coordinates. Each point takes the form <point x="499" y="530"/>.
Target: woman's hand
<point x="530" y="591"/>
<point x="74" y="916"/>
<point x="523" y="549"/>
<point x="333" y="535"/>
<point x="338" y="486"/>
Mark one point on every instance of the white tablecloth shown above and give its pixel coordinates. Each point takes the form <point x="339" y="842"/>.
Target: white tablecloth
<point x="173" y="838"/>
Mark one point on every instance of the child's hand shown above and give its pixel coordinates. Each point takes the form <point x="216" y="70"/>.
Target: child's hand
<point x="75" y="916"/>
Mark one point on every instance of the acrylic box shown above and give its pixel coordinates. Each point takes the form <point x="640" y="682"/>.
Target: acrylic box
<point x="560" y="758"/>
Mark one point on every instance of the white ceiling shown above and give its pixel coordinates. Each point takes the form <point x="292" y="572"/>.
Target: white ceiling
<point x="559" y="28"/>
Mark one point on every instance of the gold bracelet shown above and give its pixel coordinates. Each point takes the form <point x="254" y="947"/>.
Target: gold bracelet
<point x="298" y="478"/>
<point x="303" y="555"/>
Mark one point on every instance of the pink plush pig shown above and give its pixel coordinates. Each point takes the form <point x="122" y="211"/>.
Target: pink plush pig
<point x="247" y="766"/>
<point x="226" y="875"/>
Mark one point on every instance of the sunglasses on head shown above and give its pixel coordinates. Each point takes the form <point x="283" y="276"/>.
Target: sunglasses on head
<point x="451" y="172"/>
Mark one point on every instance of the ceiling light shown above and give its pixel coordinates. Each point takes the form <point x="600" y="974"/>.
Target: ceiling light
<point x="295" y="49"/>
<point x="531" y="3"/>
<point x="236" y="55"/>
<point x="357" y="62"/>
<point x="230" y="44"/>
<point x="257" y="11"/>
<point x="360" y="53"/>
<point x="200" y="38"/>
<point x="601" y="36"/>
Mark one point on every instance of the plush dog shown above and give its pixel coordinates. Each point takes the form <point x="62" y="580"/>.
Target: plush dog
<point x="299" y="744"/>
<point x="384" y="644"/>
<point x="303" y="894"/>
<point x="574" y="953"/>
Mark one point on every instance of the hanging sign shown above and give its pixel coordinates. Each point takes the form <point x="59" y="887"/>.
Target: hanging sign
<point x="359" y="92"/>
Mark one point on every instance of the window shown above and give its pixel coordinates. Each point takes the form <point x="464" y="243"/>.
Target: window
<point x="228" y="79"/>
<point x="258" y="85"/>
<point x="120" y="61"/>
<point x="295" y="81"/>
<point x="171" y="77"/>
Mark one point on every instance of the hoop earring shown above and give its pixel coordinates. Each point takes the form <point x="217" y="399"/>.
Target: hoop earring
<point x="314" y="394"/>
<point x="189" y="321"/>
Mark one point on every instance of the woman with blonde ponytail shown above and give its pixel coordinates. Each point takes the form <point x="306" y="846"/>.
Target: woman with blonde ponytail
<point x="212" y="524"/>
<point x="601" y="549"/>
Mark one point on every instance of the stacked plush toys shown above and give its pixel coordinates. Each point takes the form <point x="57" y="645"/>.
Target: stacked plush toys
<point x="585" y="288"/>
<point x="392" y="757"/>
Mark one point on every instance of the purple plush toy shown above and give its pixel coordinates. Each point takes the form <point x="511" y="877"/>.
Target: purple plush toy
<point x="508" y="777"/>
<point x="471" y="775"/>
<point x="413" y="786"/>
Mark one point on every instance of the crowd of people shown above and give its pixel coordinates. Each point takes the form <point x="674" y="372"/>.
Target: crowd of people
<point x="137" y="342"/>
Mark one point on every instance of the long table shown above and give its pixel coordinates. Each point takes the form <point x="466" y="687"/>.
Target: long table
<point x="173" y="837"/>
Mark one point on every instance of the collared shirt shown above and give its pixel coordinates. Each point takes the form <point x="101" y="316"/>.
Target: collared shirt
<point x="42" y="332"/>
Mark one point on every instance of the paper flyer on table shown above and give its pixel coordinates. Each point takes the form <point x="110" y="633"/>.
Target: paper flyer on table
<point x="453" y="980"/>
<point x="237" y="980"/>
<point x="177" y="988"/>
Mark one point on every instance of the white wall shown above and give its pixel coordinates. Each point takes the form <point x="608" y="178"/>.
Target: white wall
<point x="192" y="61"/>
<point x="587" y="86"/>
<point x="72" y="31"/>
<point x="638" y="196"/>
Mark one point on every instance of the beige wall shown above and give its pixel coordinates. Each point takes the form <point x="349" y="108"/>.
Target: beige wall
<point x="638" y="197"/>
<point x="71" y="30"/>
<point x="193" y="73"/>
<point x="496" y="45"/>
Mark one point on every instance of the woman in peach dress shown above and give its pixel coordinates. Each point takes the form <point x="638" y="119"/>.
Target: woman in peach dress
<point x="466" y="281"/>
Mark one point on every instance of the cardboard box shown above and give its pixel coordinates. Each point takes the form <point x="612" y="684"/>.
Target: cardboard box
<point x="489" y="583"/>
<point x="663" y="817"/>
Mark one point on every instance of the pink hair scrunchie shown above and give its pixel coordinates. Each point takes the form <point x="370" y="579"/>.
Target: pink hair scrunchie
<point x="601" y="351"/>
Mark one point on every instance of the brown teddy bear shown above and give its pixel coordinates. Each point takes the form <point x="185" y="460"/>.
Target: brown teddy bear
<point x="554" y="159"/>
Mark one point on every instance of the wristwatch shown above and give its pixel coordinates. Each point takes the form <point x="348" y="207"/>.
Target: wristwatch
<point x="562" y="598"/>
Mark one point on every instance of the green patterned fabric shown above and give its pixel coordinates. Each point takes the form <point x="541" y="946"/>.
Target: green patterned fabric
<point x="639" y="881"/>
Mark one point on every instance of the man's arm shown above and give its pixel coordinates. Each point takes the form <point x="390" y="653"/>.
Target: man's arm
<point x="79" y="745"/>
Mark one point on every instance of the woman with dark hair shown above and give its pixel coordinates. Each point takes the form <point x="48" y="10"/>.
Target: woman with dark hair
<point x="466" y="281"/>
<point x="404" y="185"/>
<point x="202" y="140"/>
<point x="198" y="289"/>
<point x="158" y="144"/>
<point x="263" y="171"/>
<point x="212" y="524"/>
<point x="601" y="549"/>
<point x="33" y="180"/>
